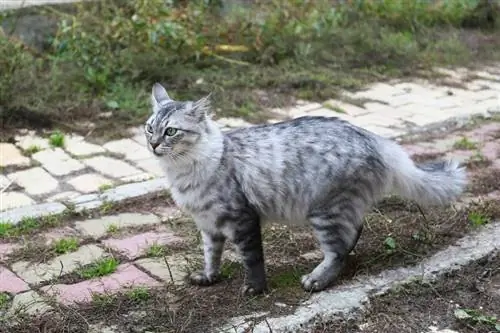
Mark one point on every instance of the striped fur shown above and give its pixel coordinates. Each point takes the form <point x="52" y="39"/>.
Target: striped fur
<point x="317" y="170"/>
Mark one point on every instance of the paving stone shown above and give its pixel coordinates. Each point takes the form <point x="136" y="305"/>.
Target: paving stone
<point x="129" y="148"/>
<point x="30" y="303"/>
<point x="167" y="213"/>
<point x="56" y="234"/>
<point x="380" y="91"/>
<point x="63" y="196"/>
<point x="126" y="276"/>
<point x="4" y="182"/>
<point x="374" y="120"/>
<point x="349" y="109"/>
<point x="11" y="156"/>
<point x="324" y="112"/>
<point x="171" y="269"/>
<point x="35" y="181"/>
<point x="90" y="182"/>
<point x="57" y="162"/>
<point x="128" y="191"/>
<point x="152" y="166"/>
<point x="491" y="150"/>
<point x="10" y="200"/>
<point x="137" y="178"/>
<point x="10" y="283"/>
<point x="233" y="122"/>
<point x="484" y="132"/>
<point x="111" y="167"/>
<point x="58" y="266"/>
<point x="77" y="146"/>
<point x="17" y="214"/>
<point x="137" y="245"/>
<point x="302" y="109"/>
<point x="6" y="249"/>
<point x="31" y="140"/>
<point x="98" y="227"/>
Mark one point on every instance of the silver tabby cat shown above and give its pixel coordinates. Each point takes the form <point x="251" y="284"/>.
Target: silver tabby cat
<point x="317" y="170"/>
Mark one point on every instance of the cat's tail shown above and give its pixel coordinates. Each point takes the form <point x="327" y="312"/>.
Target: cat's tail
<point x="433" y="183"/>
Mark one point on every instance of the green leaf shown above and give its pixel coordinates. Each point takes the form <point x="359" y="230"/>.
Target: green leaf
<point x="390" y="243"/>
<point x="461" y="314"/>
<point x="497" y="327"/>
<point x="112" y="105"/>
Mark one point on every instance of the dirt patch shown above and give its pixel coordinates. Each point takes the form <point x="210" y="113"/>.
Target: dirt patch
<point x="417" y="306"/>
<point x="484" y="181"/>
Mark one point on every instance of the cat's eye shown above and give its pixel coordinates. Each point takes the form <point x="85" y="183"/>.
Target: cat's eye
<point x="149" y="128"/>
<point x="170" y="131"/>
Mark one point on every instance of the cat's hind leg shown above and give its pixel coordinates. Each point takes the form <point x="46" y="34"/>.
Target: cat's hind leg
<point x="337" y="230"/>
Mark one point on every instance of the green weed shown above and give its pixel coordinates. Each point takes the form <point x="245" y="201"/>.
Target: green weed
<point x="155" y="250"/>
<point x="101" y="267"/>
<point x="112" y="228"/>
<point x="56" y="139"/>
<point x="139" y="294"/>
<point x="4" y="300"/>
<point x="465" y="144"/>
<point x="105" y="187"/>
<point x="32" y="150"/>
<point x="477" y="317"/>
<point x="478" y="219"/>
<point x="390" y="244"/>
<point x="66" y="245"/>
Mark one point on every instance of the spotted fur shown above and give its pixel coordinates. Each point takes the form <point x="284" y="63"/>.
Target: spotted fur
<point x="320" y="171"/>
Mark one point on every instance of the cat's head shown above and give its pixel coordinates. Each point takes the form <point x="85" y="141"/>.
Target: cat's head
<point x="176" y="128"/>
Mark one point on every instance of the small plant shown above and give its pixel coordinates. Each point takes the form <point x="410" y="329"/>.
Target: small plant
<point x="66" y="245"/>
<point x="155" y="250"/>
<point x="27" y="224"/>
<point x="478" y="219"/>
<point x="112" y="228"/>
<point x="476" y="317"/>
<point x="106" y="207"/>
<point x="99" y="268"/>
<point x="4" y="300"/>
<point x="465" y="144"/>
<point x="229" y="269"/>
<point x="56" y="139"/>
<point x="333" y="107"/>
<point x="6" y="229"/>
<point x="287" y="279"/>
<point x="390" y="244"/>
<point x="32" y="150"/>
<point x="139" y="294"/>
<point x="105" y="187"/>
<point x="102" y="300"/>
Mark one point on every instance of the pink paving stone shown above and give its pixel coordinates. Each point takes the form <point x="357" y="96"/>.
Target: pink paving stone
<point x="126" y="276"/>
<point x="483" y="133"/>
<point x="491" y="150"/>
<point x="58" y="234"/>
<point x="6" y="249"/>
<point x="10" y="283"/>
<point x="133" y="247"/>
<point x="417" y="149"/>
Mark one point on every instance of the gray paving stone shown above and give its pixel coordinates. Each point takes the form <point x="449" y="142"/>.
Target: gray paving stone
<point x="90" y="182"/>
<point x="15" y="215"/>
<point x="128" y="191"/>
<point x="99" y="227"/>
<point x="35" y="181"/>
<point x="152" y="166"/>
<point x="77" y="146"/>
<point x="31" y="140"/>
<point x="89" y="205"/>
<point x="129" y="148"/>
<point x="35" y="273"/>
<point x="30" y="303"/>
<point x="171" y="269"/>
<point x="11" y="200"/>
<point x="140" y="177"/>
<point x="63" y="196"/>
<point x="111" y="167"/>
<point x="57" y="162"/>
<point x="349" y="109"/>
<point x="11" y="156"/>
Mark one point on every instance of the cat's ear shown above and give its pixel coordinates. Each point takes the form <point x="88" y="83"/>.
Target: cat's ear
<point x="159" y="96"/>
<point x="202" y="108"/>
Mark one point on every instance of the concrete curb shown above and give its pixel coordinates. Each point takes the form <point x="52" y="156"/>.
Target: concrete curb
<point x="346" y="299"/>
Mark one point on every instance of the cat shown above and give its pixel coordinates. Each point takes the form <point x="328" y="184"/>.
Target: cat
<point x="318" y="170"/>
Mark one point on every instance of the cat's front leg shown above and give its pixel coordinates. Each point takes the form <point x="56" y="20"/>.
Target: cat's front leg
<point x="213" y="245"/>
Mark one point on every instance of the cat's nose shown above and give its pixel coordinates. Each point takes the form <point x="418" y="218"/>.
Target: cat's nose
<point x="154" y="145"/>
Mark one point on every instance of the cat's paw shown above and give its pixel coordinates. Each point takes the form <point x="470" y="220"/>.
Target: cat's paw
<point x="253" y="290"/>
<point x="312" y="284"/>
<point x="201" y="279"/>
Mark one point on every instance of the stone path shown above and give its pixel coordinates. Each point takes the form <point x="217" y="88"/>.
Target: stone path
<point x="39" y="180"/>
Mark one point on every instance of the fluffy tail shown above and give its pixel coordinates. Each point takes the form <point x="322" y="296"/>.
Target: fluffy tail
<point x="434" y="183"/>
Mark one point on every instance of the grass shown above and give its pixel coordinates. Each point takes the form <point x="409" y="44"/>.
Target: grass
<point x="465" y="144"/>
<point x="254" y="57"/>
<point x="138" y="294"/>
<point x="56" y="139"/>
<point x="32" y="150"/>
<point x="101" y="267"/>
<point x="112" y="228"/>
<point x="155" y="250"/>
<point x="4" y="300"/>
<point x="66" y="245"/>
<point x="105" y="187"/>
